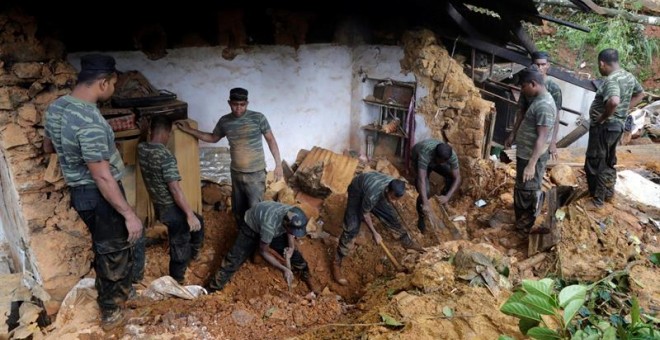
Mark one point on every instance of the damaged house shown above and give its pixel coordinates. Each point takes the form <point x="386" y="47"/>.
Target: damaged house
<point x="346" y="87"/>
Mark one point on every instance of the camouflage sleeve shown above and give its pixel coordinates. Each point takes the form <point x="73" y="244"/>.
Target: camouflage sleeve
<point x="93" y="142"/>
<point x="423" y="160"/>
<point x="545" y="115"/>
<point x="556" y="95"/>
<point x="368" y="203"/>
<point x="453" y="160"/>
<point x="266" y="233"/>
<point x="610" y="89"/>
<point x="218" y="130"/>
<point x="263" y="124"/>
<point x="169" y="168"/>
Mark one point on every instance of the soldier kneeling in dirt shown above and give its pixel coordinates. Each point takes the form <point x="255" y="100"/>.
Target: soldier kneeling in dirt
<point x="370" y="192"/>
<point x="269" y="224"/>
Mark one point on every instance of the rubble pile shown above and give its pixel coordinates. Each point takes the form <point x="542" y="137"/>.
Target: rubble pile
<point x="453" y="110"/>
<point x="32" y="74"/>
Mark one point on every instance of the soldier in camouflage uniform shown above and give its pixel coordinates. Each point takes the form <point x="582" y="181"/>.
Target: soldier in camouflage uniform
<point x="267" y="224"/>
<point x="428" y="156"/>
<point x="619" y="92"/>
<point x="185" y="228"/>
<point x="92" y="169"/>
<point x="243" y="129"/>
<point x="531" y="152"/>
<point x="370" y="192"/>
<point x="542" y="61"/>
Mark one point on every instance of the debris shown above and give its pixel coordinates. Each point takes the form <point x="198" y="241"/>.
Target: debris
<point x="637" y="188"/>
<point x="480" y="203"/>
<point x="477" y="268"/>
<point x="166" y="286"/>
<point x="530" y="262"/>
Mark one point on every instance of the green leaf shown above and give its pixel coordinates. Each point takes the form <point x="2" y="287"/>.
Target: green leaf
<point x="526" y="324"/>
<point x="520" y="310"/>
<point x="570" y="293"/>
<point x="541" y="287"/>
<point x="655" y="258"/>
<point x="634" y="312"/>
<point x="542" y="333"/>
<point x="539" y="304"/>
<point x="390" y="321"/>
<point x="504" y="337"/>
<point x="447" y="311"/>
<point x="609" y="334"/>
<point x="570" y="311"/>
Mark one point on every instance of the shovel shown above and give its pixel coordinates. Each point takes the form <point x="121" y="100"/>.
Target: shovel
<point x="288" y="252"/>
<point x="396" y="263"/>
<point x="455" y="233"/>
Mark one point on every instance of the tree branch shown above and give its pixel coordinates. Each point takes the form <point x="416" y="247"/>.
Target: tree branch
<point x="639" y="18"/>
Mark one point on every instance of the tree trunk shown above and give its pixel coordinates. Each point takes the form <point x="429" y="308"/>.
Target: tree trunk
<point x="639" y="18"/>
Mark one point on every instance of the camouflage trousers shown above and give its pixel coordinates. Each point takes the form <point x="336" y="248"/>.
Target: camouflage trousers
<point x="184" y="244"/>
<point x="353" y="219"/>
<point x="113" y="255"/>
<point x="247" y="189"/>
<point x="601" y="158"/>
<point x="527" y="196"/>
<point x="247" y="242"/>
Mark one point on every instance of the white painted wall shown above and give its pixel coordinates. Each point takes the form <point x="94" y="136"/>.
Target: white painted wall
<point x="305" y="94"/>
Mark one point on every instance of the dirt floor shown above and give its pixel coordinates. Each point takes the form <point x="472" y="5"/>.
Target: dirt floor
<point x="257" y="304"/>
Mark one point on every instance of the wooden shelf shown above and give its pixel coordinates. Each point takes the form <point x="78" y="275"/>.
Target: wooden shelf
<point x="371" y="127"/>
<point x="384" y="104"/>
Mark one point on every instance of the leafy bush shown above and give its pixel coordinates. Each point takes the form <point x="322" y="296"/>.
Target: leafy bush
<point x="572" y="318"/>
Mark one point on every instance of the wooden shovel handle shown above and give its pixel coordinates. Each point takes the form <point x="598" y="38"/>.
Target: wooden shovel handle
<point x="389" y="256"/>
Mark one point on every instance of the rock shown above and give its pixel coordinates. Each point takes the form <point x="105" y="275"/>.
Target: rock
<point x="29" y="113"/>
<point x="5" y="100"/>
<point x="286" y="196"/>
<point x="332" y="213"/>
<point x="242" y="317"/>
<point x="562" y="174"/>
<point x="433" y="277"/>
<point x="507" y="199"/>
<point x="13" y="136"/>
<point x="27" y="70"/>
<point x="213" y="193"/>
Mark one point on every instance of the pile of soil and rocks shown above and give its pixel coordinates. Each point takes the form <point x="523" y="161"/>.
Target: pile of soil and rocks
<point x="432" y="297"/>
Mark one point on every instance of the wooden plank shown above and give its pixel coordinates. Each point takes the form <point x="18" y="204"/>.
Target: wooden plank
<point x="186" y="150"/>
<point x="551" y="239"/>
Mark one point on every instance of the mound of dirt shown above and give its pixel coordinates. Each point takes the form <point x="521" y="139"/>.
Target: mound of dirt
<point x="431" y="302"/>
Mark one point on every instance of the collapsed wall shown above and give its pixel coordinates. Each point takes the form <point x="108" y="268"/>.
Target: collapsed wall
<point x="453" y="109"/>
<point x="45" y="236"/>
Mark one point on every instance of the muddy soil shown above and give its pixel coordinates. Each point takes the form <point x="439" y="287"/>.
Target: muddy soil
<point x="257" y="304"/>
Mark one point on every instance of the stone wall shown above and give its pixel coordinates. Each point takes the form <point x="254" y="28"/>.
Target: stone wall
<point x="453" y="109"/>
<point x="45" y="235"/>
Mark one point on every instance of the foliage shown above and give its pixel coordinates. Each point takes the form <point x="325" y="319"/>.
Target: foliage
<point x="580" y="312"/>
<point x="635" y="49"/>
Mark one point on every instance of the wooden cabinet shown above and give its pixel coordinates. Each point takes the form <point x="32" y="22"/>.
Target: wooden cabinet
<point x="186" y="150"/>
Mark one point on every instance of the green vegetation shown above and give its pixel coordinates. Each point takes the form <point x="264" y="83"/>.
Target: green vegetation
<point x="602" y="310"/>
<point x="636" y="50"/>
